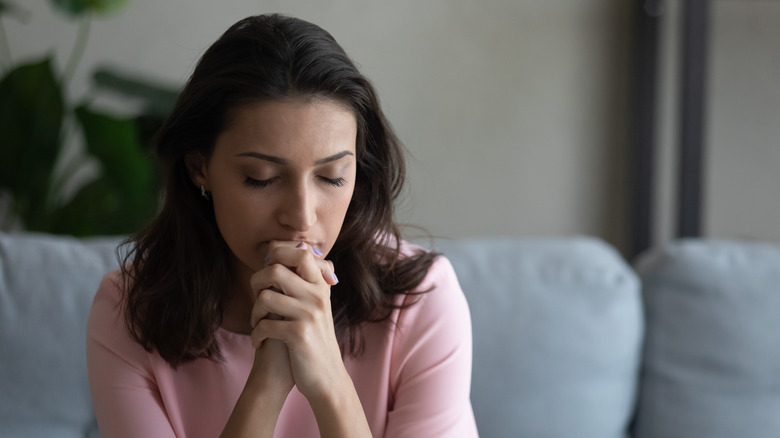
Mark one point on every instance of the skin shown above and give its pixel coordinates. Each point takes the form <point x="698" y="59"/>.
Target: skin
<point x="281" y="178"/>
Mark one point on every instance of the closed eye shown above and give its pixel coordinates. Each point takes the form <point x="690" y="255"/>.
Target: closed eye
<point x="336" y="182"/>
<point x="258" y="183"/>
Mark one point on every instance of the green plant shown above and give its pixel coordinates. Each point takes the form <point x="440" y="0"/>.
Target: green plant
<point x="35" y="122"/>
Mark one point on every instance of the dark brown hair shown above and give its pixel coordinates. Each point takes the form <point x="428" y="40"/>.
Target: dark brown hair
<point x="177" y="269"/>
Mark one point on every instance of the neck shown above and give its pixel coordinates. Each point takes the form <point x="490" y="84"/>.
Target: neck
<point x="238" y="310"/>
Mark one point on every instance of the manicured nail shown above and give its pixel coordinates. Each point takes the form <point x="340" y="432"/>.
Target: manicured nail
<point x="336" y="279"/>
<point x="316" y="251"/>
<point x="299" y="245"/>
<point x="267" y="258"/>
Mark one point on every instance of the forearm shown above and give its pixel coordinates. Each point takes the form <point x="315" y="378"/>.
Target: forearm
<point x="339" y="412"/>
<point x="258" y="407"/>
<point x="255" y="414"/>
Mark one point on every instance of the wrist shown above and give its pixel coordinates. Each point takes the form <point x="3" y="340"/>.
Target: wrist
<point x="269" y="375"/>
<point x="339" y="412"/>
<point x="335" y="393"/>
<point x="257" y="410"/>
<point x="272" y="389"/>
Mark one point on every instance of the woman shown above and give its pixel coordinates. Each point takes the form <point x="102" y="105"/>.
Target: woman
<point x="227" y="317"/>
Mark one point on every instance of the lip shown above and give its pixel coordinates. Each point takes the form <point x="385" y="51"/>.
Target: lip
<point x="306" y="241"/>
<point x="311" y="243"/>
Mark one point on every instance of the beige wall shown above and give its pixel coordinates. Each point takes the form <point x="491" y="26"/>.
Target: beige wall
<point x="742" y="150"/>
<point x="515" y="112"/>
<point x="743" y="198"/>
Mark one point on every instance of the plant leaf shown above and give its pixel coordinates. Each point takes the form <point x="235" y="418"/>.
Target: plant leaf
<point x="77" y="8"/>
<point x="31" y="113"/>
<point x="97" y="209"/>
<point x="12" y="9"/>
<point x="147" y="126"/>
<point x="158" y="99"/>
<point x="126" y="167"/>
<point x="88" y="213"/>
<point x="107" y="6"/>
<point x="73" y="8"/>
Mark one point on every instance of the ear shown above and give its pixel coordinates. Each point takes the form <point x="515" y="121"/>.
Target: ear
<point x="196" y="169"/>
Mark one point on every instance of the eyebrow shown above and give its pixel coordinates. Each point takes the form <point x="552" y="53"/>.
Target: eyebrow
<point x="285" y="161"/>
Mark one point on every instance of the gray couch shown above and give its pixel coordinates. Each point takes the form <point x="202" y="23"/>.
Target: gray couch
<point x="569" y="340"/>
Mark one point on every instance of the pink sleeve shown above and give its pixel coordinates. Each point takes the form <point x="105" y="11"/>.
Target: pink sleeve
<point x="431" y="369"/>
<point x="126" y="399"/>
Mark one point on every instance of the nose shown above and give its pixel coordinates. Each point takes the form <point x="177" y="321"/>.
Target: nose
<point x="299" y="208"/>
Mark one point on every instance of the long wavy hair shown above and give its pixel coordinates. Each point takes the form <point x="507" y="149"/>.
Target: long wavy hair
<point x="176" y="271"/>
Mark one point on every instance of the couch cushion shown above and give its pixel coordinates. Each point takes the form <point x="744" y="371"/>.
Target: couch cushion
<point x="557" y="327"/>
<point x="712" y="355"/>
<point x="47" y="281"/>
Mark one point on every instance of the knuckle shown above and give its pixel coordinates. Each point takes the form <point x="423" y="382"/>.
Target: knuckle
<point x="309" y="314"/>
<point x="276" y="270"/>
<point x="320" y="304"/>
<point x="256" y="279"/>
<point x="301" y="333"/>
<point x="257" y="310"/>
<point x="265" y="297"/>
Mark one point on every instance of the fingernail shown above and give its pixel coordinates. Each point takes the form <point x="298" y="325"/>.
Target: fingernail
<point x="336" y="279"/>
<point x="267" y="258"/>
<point x="316" y="251"/>
<point x="299" y="245"/>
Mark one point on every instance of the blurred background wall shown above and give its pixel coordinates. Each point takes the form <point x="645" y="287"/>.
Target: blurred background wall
<point x="516" y="113"/>
<point x="742" y="121"/>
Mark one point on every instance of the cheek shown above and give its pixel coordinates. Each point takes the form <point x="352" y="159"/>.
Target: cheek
<point x="339" y="208"/>
<point x="233" y="213"/>
<point x="226" y="221"/>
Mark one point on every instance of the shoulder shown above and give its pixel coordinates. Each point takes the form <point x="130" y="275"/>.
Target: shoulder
<point x="106" y="318"/>
<point x="106" y="326"/>
<point x="439" y="295"/>
<point x="109" y="296"/>
<point x="430" y="362"/>
<point x="436" y="280"/>
<point x="440" y="284"/>
<point x="435" y="313"/>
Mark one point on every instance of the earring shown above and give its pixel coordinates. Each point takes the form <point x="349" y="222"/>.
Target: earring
<point x="204" y="193"/>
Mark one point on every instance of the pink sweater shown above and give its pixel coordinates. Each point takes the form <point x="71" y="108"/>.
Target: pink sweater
<point x="413" y="377"/>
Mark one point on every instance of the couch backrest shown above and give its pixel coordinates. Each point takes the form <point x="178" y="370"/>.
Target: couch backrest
<point x="558" y="328"/>
<point x="712" y="350"/>
<point x="46" y="289"/>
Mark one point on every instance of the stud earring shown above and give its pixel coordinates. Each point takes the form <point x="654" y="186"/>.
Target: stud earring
<point x="204" y="193"/>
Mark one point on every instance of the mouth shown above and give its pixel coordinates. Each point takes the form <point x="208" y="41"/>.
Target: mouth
<point x="296" y="242"/>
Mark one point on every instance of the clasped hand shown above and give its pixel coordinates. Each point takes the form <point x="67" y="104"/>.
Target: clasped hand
<point x="292" y="321"/>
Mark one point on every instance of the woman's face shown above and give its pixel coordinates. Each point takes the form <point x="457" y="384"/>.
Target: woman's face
<point x="282" y="170"/>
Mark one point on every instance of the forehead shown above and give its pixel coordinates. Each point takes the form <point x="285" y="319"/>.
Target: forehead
<point x="290" y="126"/>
